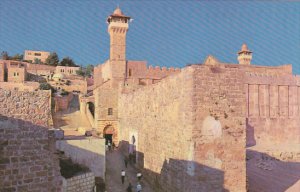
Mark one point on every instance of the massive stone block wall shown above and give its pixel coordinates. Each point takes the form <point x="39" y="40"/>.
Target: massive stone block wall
<point x="32" y="106"/>
<point x="273" y="109"/>
<point x="219" y="142"/>
<point x="189" y="130"/>
<point x="27" y="160"/>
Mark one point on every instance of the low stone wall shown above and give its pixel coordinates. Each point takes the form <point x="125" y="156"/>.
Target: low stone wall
<point x="81" y="183"/>
<point x="88" y="152"/>
<point x="26" y="86"/>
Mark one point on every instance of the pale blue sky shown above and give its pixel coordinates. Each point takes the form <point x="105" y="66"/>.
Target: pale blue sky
<point x="165" y="33"/>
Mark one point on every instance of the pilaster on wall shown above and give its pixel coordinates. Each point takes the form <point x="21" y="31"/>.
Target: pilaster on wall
<point x="271" y="101"/>
<point x="273" y="109"/>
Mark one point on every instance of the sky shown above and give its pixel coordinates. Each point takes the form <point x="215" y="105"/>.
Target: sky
<point x="164" y="33"/>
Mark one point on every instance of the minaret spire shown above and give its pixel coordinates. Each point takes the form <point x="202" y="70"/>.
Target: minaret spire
<point x="244" y="55"/>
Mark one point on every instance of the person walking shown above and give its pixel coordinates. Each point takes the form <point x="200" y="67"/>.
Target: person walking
<point x="125" y="161"/>
<point x="129" y="188"/>
<point x="123" y="176"/>
<point x="139" y="176"/>
<point x="138" y="187"/>
<point x="109" y="145"/>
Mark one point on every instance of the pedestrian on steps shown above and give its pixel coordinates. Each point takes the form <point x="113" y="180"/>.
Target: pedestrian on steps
<point x="129" y="188"/>
<point x="125" y="161"/>
<point x="109" y="145"/>
<point x="139" y="176"/>
<point x="138" y="187"/>
<point x="123" y="176"/>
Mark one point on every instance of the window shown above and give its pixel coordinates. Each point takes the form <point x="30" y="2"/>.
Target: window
<point x="110" y="111"/>
<point x="37" y="54"/>
<point x="14" y="73"/>
<point x="129" y="72"/>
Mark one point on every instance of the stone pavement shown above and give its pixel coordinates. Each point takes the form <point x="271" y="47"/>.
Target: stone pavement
<point x="71" y="119"/>
<point x="114" y="166"/>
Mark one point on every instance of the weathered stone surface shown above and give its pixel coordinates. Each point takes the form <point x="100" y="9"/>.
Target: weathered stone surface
<point x="27" y="156"/>
<point x="189" y="130"/>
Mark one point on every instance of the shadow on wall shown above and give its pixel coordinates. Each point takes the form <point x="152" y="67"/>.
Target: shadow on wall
<point x="27" y="157"/>
<point x="179" y="175"/>
<point x="250" y="135"/>
<point x="266" y="173"/>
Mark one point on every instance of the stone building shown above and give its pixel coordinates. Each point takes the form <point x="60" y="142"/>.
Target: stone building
<point x="66" y="70"/>
<point x="13" y="71"/>
<point x="188" y="128"/>
<point x="30" y="55"/>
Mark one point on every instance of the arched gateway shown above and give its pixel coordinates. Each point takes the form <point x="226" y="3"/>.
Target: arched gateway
<point x="110" y="134"/>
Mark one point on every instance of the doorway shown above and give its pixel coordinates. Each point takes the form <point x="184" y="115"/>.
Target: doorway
<point x="108" y="137"/>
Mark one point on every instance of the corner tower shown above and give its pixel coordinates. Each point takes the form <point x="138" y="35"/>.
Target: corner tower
<point x="244" y="55"/>
<point x="117" y="29"/>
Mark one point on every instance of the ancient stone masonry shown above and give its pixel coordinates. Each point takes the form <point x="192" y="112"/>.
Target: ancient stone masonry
<point x="272" y="109"/>
<point x="27" y="160"/>
<point x="29" y="106"/>
<point x="190" y="126"/>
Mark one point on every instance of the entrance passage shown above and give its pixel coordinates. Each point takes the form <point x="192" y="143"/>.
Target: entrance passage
<point x="110" y="135"/>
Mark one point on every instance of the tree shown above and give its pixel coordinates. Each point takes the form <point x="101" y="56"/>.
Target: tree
<point x="80" y="72"/>
<point x="89" y="70"/>
<point x="45" y="86"/>
<point x="67" y="61"/>
<point x="4" y="55"/>
<point x="37" y="61"/>
<point x="17" y="57"/>
<point x="52" y="59"/>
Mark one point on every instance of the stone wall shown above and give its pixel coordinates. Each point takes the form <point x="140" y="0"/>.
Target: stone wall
<point x="88" y="152"/>
<point x="80" y="183"/>
<point x="273" y="109"/>
<point x="219" y="134"/>
<point x="189" y="130"/>
<point x="26" y="86"/>
<point x="27" y="159"/>
<point x="25" y="105"/>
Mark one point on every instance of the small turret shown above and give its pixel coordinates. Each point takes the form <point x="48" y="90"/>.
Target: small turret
<point x="244" y="55"/>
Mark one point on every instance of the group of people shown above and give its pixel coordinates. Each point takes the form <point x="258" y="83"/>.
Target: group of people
<point x="138" y="175"/>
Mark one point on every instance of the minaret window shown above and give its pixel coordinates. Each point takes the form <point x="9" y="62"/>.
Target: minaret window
<point x="130" y="72"/>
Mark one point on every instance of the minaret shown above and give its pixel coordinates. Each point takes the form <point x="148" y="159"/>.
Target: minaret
<point x="117" y="29"/>
<point x="244" y="55"/>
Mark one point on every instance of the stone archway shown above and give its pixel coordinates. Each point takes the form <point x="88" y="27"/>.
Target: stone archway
<point x="110" y="134"/>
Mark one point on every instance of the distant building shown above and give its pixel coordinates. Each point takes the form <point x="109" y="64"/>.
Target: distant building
<point x="67" y="70"/>
<point x="30" y="55"/>
<point x="16" y="72"/>
<point x="12" y="71"/>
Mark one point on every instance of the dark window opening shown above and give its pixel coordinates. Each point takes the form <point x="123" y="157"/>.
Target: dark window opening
<point x="130" y="72"/>
<point x="110" y="111"/>
<point x="37" y="54"/>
